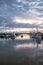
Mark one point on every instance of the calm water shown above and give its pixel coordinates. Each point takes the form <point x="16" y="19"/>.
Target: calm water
<point x="21" y="52"/>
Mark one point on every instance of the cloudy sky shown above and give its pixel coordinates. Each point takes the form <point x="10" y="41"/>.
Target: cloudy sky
<point x="21" y="13"/>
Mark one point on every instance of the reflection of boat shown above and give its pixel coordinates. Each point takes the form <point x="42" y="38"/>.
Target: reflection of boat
<point x="38" y="41"/>
<point x="38" y="37"/>
<point x="42" y="36"/>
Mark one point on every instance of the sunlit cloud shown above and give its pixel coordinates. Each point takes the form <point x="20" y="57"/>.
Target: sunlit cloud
<point x="27" y="20"/>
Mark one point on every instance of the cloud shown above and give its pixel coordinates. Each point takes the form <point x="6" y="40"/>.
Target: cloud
<point x="27" y="20"/>
<point x="10" y="22"/>
<point x="20" y="10"/>
<point x="10" y="7"/>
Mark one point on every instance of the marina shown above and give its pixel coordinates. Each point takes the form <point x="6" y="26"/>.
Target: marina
<point x="21" y="48"/>
<point x="13" y="35"/>
<point x="21" y="32"/>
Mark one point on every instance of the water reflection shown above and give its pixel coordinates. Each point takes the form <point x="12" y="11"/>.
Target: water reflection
<point x="25" y="46"/>
<point x="39" y="43"/>
<point x="18" y="51"/>
<point x="36" y="43"/>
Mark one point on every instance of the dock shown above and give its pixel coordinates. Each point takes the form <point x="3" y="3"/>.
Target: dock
<point x="14" y="35"/>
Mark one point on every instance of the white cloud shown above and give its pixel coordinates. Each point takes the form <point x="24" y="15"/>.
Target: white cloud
<point x="23" y="1"/>
<point x="35" y="21"/>
<point x="19" y="0"/>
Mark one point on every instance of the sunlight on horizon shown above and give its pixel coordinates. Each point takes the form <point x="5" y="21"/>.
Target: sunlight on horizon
<point x="20" y="29"/>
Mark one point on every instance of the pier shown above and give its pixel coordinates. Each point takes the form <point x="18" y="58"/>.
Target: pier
<point x="13" y="35"/>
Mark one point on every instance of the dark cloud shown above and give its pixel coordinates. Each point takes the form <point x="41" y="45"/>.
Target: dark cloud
<point x="19" y="8"/>
<point x="13" y="7"/>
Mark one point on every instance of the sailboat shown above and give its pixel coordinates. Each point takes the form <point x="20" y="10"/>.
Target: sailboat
<point x="36" y="35"/>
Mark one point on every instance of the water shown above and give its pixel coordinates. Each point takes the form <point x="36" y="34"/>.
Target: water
<point x="21" y="52"/>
